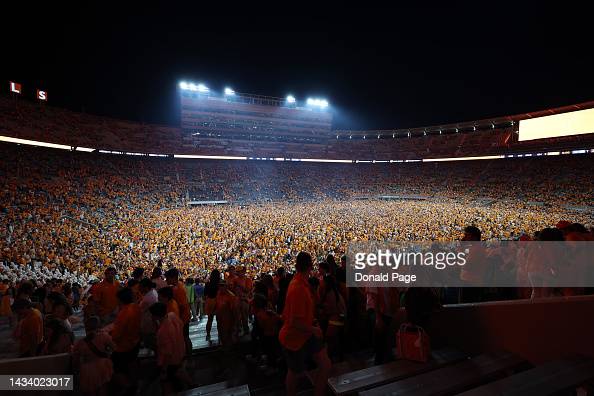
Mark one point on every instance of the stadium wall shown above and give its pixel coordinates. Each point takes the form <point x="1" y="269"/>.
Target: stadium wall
<point x="499" y="136"/>
<point x="537" y="330"/>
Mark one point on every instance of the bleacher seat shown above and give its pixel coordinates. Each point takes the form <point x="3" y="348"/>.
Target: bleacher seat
<point x="377" y="375"/>
<point x="546" y="379"/>
<point x="242" y="390"/>
<point x="454" y="378"/>
<point x="206" y="389"/>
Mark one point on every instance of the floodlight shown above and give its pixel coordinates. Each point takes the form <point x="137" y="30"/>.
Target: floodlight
<point x="229" y="91"/>
<point x="202" y="88"/>
<point x="183" y="85"/>
<point x="290" y="99"/>
<point x="321" y="103"/>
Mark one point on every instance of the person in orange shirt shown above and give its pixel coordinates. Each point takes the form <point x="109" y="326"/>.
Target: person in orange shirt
<point x="210" y="294"/>
<point x="170" y="349"/>
<point x="105" y="296"/>
<point x="242" y="288"/>
<point x="180" y="296"/>
<point x="29" y="330"/>
<point x="126" y="337"/>
<point x="299" y="336"/>
<point x="227" y="313"/>
<point x="230" y="277"/>
<point x="91" y="359"/>
<point x="7" y="295"/>
<point x="166" y="297"/>
<point x="268" y="322"/>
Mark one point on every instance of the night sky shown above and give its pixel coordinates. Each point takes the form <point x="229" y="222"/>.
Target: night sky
<point x="379" y="68"/>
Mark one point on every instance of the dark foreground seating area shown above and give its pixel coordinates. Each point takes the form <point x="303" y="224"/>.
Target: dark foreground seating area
<point x="542" y="358"/>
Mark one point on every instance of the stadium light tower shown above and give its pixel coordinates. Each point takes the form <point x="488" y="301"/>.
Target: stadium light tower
<point x="229" y="91"/>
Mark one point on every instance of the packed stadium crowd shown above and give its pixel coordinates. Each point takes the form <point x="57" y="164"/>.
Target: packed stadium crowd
<point x="113" y="235"/>
<point x="81" y="212"/>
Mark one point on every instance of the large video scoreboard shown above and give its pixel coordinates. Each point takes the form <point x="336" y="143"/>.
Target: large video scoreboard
<point x="565" y="124"/>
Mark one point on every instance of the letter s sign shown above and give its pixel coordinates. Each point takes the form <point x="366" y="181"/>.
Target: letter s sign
<point x="41" y="95"/>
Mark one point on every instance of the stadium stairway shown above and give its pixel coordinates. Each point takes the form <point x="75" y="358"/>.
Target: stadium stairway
<point x="198" y="335"/>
